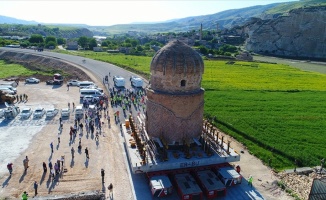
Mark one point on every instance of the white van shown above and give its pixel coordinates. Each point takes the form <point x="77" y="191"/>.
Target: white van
<point x="84" y="84"/>
<point x="119" y="81"/>
<point x="90" y="92"/>
<point x="136" y="82"/>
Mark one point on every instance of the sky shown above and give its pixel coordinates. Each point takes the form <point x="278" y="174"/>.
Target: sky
<point x="110" y="12"/>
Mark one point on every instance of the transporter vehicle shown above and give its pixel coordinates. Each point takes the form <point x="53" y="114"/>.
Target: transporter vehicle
<point x="136" y="81"/>
<point x="119" y="81"/>
<point x="6" y="87"/>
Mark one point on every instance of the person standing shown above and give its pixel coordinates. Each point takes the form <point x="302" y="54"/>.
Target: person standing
<point x="51" y="145"/>
<point x="26" y="160"/>
<point x="102" y="174"/>
<point x="72" y="152"/>
<point x="62" y="160"/>
<point x="86" y="152"/>
<point x="9" y="167"/>
<point x="25" y="196"/>
<point x="35" y="187"/>
<point x="67" y="87"/>
<point x="58" y="138"/>
<point x="44" y="167"/>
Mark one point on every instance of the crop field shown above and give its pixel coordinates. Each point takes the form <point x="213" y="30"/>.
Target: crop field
<point x="275" y="110"/>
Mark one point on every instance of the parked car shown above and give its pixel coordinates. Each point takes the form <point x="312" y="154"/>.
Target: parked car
<point x="2" y="113"/>
<point x="51" y="82"/>
<point x="73" y="83"/>
<point x="65" y="112"/>
<point x="39" y="112"/>
<point x="32" y="80"/>
<point x="91" y="99"/>
<point x="26" y="113"/>
<point x="51" y="112"/>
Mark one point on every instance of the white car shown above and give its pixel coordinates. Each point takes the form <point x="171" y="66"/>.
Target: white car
<point x="73" y="83"/>
<point x="51" y="112"/>
<point x="26" y="113"/>
<point x="65" y="112"/>
<point x="32" y="80"/>
<point x="39" y="112"/>
<point x="91" y="99"/>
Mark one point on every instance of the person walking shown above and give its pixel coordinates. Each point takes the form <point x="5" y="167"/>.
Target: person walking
<point x="9" y="167"/>
<point x="72" y="152"/>
<point x="50" y="166"/>
<point x="86" y="152"/>
<point x="250" y="181"/>
<point x="102" y="174"/>
<point x="51" y="146"/>
<point x="45" y="169"/>
<point x="58" y="138"/>
<point x="35" y="187"/>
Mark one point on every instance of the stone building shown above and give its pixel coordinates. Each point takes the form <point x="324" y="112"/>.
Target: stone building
<point x="175" y="102"/>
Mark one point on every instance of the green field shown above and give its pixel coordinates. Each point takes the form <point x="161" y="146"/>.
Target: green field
<point x="270" y="108"/>
<point x="275" y="110"/>
<point x="10" y="70"/>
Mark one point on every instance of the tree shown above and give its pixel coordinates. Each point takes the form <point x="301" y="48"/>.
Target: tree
<point x="50" y="44"/>
<point x="83" y="41"/>
<point x="61" y="41"/>
<point x="203" y="50"/>
<point x="36" y="38"/>
<point x="50" y="41"/>
<point x="92" y="43"/>
<point x="104" y="44"/>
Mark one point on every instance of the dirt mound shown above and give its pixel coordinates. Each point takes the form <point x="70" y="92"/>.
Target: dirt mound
<point x="43" y="64"/>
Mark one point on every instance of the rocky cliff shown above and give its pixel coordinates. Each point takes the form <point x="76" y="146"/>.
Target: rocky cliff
<point x="300" y="34"/>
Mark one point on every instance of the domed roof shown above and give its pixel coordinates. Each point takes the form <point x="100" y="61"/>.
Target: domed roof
<point x="177" y="57"/>
<point x="174" y="63"/>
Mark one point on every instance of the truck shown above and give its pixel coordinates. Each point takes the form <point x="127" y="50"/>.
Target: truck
<point x="119" y="81"/>
<point x="136" y="81"/>
<point x="4" y="97"/>
<point x="57" y="80"/>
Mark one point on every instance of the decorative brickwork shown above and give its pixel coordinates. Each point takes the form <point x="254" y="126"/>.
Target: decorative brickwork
<point x="175" y="102"/>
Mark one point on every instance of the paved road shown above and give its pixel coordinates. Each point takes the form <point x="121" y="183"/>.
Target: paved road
<point x="100" y="69"/>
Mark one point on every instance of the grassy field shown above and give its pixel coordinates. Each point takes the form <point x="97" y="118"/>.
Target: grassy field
<point x="275" y="110"/>
<point x="10" y="69"/>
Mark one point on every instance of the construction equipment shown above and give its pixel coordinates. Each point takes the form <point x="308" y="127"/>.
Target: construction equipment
<point x="4" y="97"/>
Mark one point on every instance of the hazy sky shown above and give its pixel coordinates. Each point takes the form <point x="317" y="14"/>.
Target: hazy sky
<point x="110" y="12"/>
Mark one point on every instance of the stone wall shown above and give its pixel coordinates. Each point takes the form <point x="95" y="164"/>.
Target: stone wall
<point x="176" y="116"/>
<point x="301" y="34"/>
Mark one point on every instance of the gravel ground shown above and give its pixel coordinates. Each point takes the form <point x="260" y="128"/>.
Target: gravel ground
<point x="32" y="138"/>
